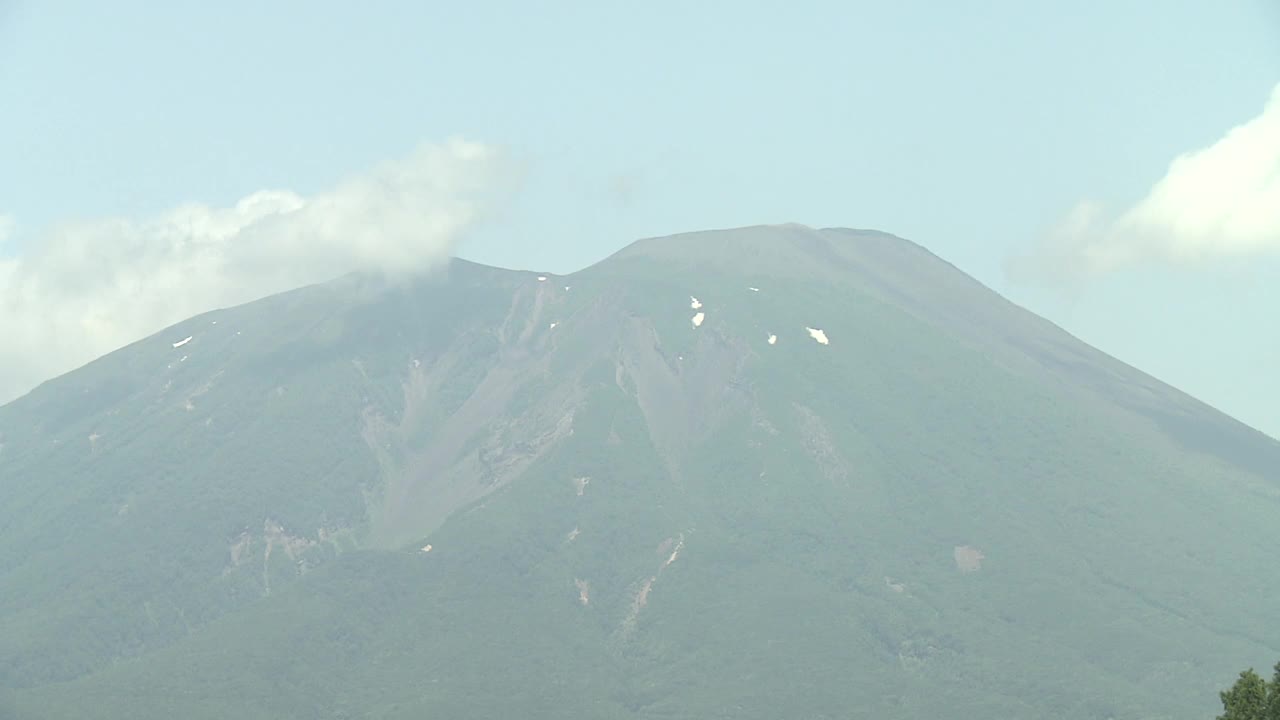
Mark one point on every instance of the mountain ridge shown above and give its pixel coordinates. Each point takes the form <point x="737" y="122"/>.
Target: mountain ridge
<point x="994" y="328"/>
<point x="643" y="248"/>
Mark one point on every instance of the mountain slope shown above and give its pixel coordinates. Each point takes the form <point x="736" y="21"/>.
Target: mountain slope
<point x="648" y="490"/>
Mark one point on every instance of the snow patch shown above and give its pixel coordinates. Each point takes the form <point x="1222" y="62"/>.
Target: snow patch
<point x="584" y="591"/>
<point x="180" y="343"/>
<point x="818" y="335"/>
<point x="542" y="278"/>
<point x="553" y="326"/>
<point x="773" y="339"/>
<point x="426" y="548"/>
<point x="566" y="288"/>
<point x="573" y="534"/>
<point x="754" y="289"/>
<point x="694" y="303"/>
<point x="697" y="319"/>
<point x="581" y="484"/>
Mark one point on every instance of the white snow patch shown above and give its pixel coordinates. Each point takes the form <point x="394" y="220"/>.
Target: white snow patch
<point x="581" y="484"/>
<point x="754" y="289"/>
<point x="426" y="548"/>
<point x="553" y="326"/>
<point x="566" y="288"/>
<point x="584" y="590"/>
<point x="180" y="343"/>
<point x="818" y="335"/>
<point x="215" y="322"/>
<point x="573" y="534"/>
<point x="417" y="362"/>
<point x="773" y="339"/>
<point x="542" y="278"/>
<point x="184" y="359"/>
<point x="694" y="303"/>
<point x="697" y="319"/>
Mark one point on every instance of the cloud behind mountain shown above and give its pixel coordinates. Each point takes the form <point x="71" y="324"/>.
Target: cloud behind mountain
<point x="89" y="287"/>
<point x="1215" y="203"/>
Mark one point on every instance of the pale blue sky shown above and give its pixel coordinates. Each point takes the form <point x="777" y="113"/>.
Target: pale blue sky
<point x="972" y="128"/>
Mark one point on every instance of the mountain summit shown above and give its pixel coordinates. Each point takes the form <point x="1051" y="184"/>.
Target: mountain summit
<point x="763" y="472"/>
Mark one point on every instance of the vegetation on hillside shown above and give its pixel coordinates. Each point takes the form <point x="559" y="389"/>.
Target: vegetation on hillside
<point x="1252" y="697"/>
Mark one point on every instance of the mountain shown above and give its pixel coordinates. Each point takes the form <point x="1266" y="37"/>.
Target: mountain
<point x="763" y="472"/>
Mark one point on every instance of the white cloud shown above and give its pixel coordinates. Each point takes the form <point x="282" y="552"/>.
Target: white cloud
<point x="90" y="287"/>
<point x="1218" y="202"/>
